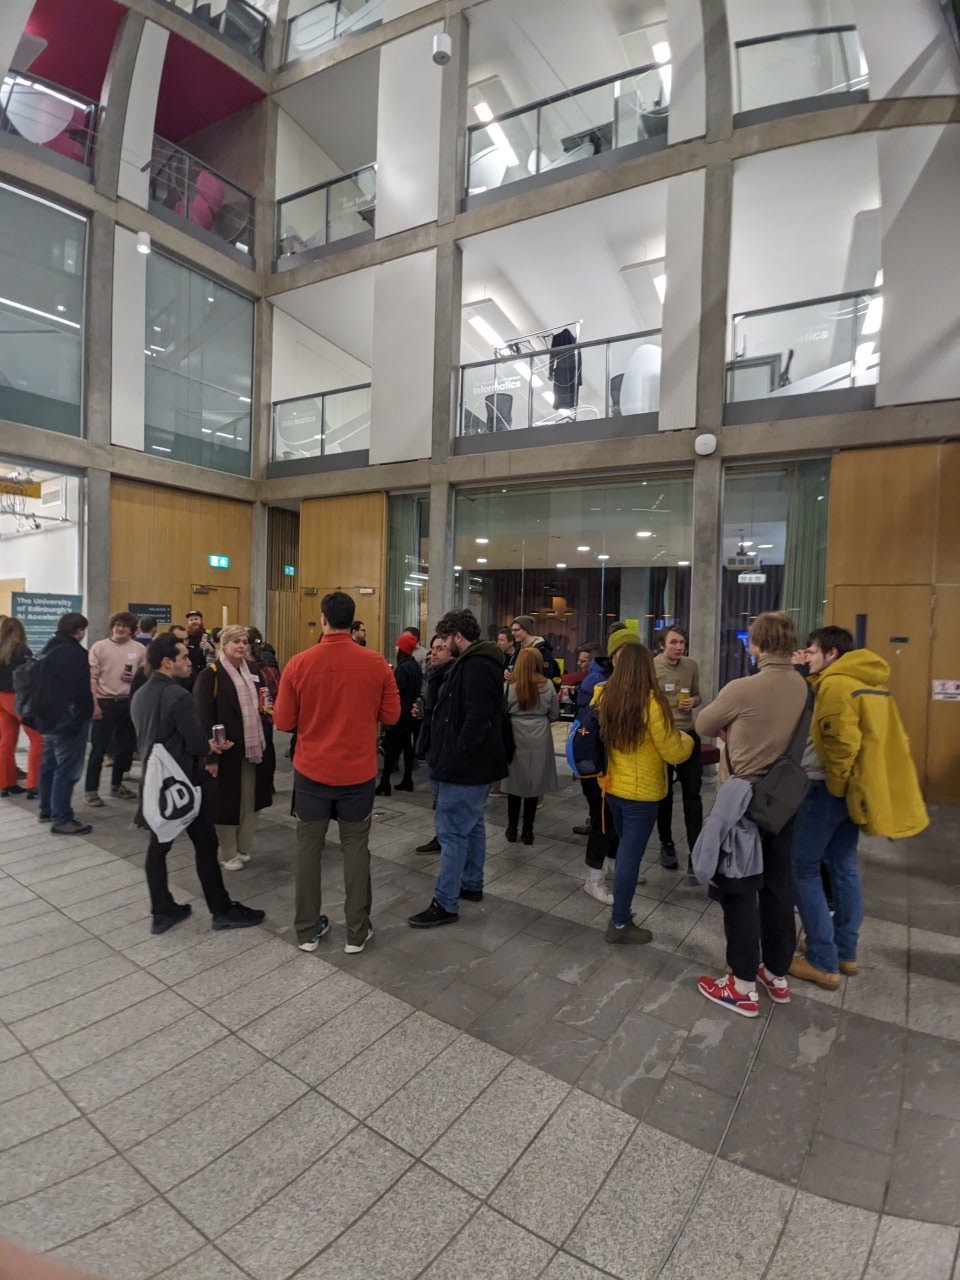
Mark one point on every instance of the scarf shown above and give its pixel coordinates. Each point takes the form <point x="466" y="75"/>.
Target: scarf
<point x="253" y="739"/>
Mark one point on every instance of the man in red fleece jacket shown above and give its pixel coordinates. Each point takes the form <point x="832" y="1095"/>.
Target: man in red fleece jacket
<point x="333" y="695"/>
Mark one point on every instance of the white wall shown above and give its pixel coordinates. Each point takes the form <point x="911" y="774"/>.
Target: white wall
<point x="48" y="560"/>
<point x="129" y="324"/>
<point x="688" y="92"/>
<point x="140" y="120"/>
<point x="920" y="337"/>
<point x="408" y="133"/>
<point x="13" y="19"/>
<point x="300" y="162"/>
<point x="305" y="363"/>
<point x="682" y="301"/>
<point x="403" y="329"/>
<point x="907" y="47"/>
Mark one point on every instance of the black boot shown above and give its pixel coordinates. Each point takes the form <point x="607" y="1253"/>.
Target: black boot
<point x="511" y="834"/>
<point x="384" y="788"/>
<point x="405" y="783"/>
<point x="526" y="835"/>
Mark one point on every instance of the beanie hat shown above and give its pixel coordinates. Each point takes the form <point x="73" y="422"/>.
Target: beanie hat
<point x="617" y="639"/>
<point x="406" y="643"/>
<point x="527" y="623"/>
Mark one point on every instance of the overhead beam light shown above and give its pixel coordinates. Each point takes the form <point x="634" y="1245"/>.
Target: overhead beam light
<point x="644" y="533"/>
<point x="32" y="311"/>
<point x="485" y="330"/>
<point x="497" y="136"/>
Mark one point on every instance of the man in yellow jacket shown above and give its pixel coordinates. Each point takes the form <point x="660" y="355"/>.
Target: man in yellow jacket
<point x="862" y="777"/>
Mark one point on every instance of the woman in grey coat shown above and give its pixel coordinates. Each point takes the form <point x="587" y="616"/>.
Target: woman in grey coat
<point x="531" y="703"/>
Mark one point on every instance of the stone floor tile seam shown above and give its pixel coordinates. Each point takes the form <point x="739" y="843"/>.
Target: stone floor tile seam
<point x="298" y="995"/>
<point x="48" y="1186"/>
<point x="66" y="1000"/>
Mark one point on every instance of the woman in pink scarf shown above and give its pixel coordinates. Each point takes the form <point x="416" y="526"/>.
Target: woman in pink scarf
<point x="227" y="692"/>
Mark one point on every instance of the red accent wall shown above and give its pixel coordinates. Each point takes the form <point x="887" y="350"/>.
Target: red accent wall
<point x="197" y="90"/>
<point x="80" y="36"/>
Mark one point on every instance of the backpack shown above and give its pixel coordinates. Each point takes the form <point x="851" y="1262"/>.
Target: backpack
<point x="28" y="694"/>
<point x="169" y="801"/>
<point x="586" y="754"/>
<point x="780" y="792"/>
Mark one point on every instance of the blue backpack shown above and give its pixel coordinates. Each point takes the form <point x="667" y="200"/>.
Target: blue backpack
<point x="586" y="754"/>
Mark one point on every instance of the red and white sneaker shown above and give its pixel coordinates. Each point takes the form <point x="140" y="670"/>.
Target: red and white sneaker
<point x="723" y="991"/>
<point x="778" y="989"/>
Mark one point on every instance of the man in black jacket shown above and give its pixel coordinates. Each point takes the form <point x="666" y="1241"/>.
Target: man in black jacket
<point x="466" y="757"/>
<point x="163" y="711"/>
<point x="64" y="708"/>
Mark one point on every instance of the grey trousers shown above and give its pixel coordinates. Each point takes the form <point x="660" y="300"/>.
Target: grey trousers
<point x="352" y="808"/>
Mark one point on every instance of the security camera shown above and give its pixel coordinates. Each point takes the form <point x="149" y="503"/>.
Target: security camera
<point x="442" y="48"/>
<point x="705" y="444"/>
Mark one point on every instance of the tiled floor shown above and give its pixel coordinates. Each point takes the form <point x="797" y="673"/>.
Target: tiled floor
<point x="508" y="1097"/>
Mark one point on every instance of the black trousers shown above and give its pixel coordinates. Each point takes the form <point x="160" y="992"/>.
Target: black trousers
<point x="113" y="735"/>
<point x="600" y="844"/>
<point x="398" y="739"/>
<point x="759" y="923"/>
<point x="529" y="811"/>
<point x="690" y="776"/>
<point x="203" y="836"/>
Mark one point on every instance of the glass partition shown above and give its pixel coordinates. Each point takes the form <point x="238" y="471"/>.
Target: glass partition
<point x="629" y="107"/>
<point x="608" y="378"/>
<point x="316" y="426"/>
<point x="328" y="212"/>
<point x="56" y="119"/>
<point x="237" y="22"/>
<point x="408" y="567"/>
<point x="310" y="31"/>
<point x="821" y="345"/>
<point x="42" y="272"/>
<point x="799" y="64"/>
<point x="188" y="187"/>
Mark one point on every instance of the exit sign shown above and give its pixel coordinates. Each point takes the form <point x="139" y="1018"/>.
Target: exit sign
<point x="289" y="570"/>
<point x="219" y="562"/>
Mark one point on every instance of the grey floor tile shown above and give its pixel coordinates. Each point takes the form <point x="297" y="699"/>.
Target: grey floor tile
<point x="508" y="1252"/>
<point x="501" y="970"/>
<point x="347" y="1033"/>
<point x="563" y="1267"/>
<point x="81" y="1049"/>
<point x="401" y="1234"/>
<point x="847" y="1172"/>
<point x="553" y="1182"/>
<point x="934" y="1007"/>
<point x="83" y="1011"/>
<point x="96" y="909"/>
<point x="628" y="1069"/>
<point x="22" y="912"/>
<point x="41" y="968"/>
<point x="718" y="1051"/>
<point x="13" y="894"/>
<point x="19" y="1075"/>
<point x="193" y="1141"/>
<point x="233" y="974"/>
<point x="714" y="1245"/>
<point x="905" y="1250"/>
<point x="32" y="922"/>
<point x="209" y="945"/>
<point x="290" y="1022"/>
<point x="690" y="1111"/>
<point x="480" y="1147"/>
<point x="600" y="1005"/>
<point x="260" y="995"/>
<point x="32" y="1000"/>
<point x="208" y="1264"/>
<point x="44" y="867"/>
<point x="460" y="1003"/>
<point x="76" y="1206"/>
<point x="289" y="1230"/>
<point x="671" y="925"/>
<point x="633" y="1244"/>
<point x="165" y="1099"/>
<point x="861" y="1102"/>
<point x="925" y="1182"/>
<point x="801" y="1036"/>
<point x="823" y="1239"/>
<point x="561" y="1049"/>
<point x="54" y="1156"/>
<point x="932" y="1075"/>
<point x="10" y="1046"/>
<point x="374" y="1075"/>
<point x="68" y="890"/>
<point x="225" y="1192"/>
<point x="133" y="1247"/>
<point x="34" y="1113"/>
<point x="512" y="1021"/>
<point x="774" y="1124"/>
<point x="878" y="993"/>
<point x="672" y="994"/>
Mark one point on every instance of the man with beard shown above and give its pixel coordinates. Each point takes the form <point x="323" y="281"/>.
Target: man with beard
<point x="198" y="644"/>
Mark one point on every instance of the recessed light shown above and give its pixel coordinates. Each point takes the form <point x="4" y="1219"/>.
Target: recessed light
<point x="819" y="497"/>
<point x="683" y="563"/>
<point x="561" y="565"/>
<point x="457" y="568"/>
<point x="764" y="546"/>
<point x="481" y="560"/>
<point x="481" y="542"/>
<point x="644" y="533"/>
<point x="61" y="307"/>
<point x="601" y="556"/>
<point x="209" y="299"/>
<point x="583" y="548"/>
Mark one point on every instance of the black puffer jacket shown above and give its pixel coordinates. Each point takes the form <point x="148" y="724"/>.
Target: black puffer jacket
<point x="409" y="678"/>
<point x="65" y="698"/>
<point x="466" y="736"/>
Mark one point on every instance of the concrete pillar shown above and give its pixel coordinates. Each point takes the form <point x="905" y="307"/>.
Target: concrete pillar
<point x="98" y="338"/>
<point x="265" y="210"/>
<point x="114" y="102"/>
<point x="688" y="90"/>
<point x="705" y="572"/>
<point x="96" y="593"/>
<point x="261" y="417"/>
<point x="258" y="567"/>
<point x="711" y="372"/>
<point x="453" y="114"/>
<point x="13" y="19"/>
<point x="716" y="59"/>
<point x="682" y="301"/>
<point x="440" y="583"/>
<point x="446" y="360"/>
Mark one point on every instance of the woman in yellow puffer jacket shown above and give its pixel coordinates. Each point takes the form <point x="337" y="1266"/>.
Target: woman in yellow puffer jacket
<point x="637" y="729"/>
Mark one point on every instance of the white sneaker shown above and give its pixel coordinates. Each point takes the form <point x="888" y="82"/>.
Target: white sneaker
<point x="323" y="926"/>
<point x="353" y="947"/>
<point x="235" y="864"/>
<point x="596" y="890"/>
<point x="244" y="857"/>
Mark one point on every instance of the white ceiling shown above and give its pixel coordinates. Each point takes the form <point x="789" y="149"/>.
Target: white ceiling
<point x="340" y="310"/>
<point x="338" y="109"/>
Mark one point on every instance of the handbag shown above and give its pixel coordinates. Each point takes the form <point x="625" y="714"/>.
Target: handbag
<point x="780" y="792"/>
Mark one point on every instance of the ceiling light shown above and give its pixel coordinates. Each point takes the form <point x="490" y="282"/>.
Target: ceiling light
<point x="602" y="556"/>
<point x="457" y="568"/>
<point x="764" y="546"/>
<point x="661" y="51"/>
<point x="143" y="242"/>
<point x="209" y="298"/>
<point x="561" y="565"/>
<point x="746" y="542"/>
<point x="683" y="563"/>
<point x="644" y="533"/>
<point x="483" y="112"/>
<point x="497" y="136"/>
<point x="481" y="560"/>
<point x="485" y="330"/>
<point x="482" y="542"/>
<point x="61" y="307"/>
<point x="33" y="311"/>
<point x="819" y="497"/>
<point x="871" y="321"/>
<point x="583" y="548"/>
<point x="660" y="284"/>
<point x="157" y="329"/>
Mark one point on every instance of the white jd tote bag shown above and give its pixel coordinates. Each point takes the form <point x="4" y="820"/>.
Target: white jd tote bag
<point x="169" y="801"/>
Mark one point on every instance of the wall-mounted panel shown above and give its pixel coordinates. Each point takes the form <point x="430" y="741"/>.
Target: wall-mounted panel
<point x="408" y="133"/>
<point x="403" y="337"/>
<point x="343" y="546"/>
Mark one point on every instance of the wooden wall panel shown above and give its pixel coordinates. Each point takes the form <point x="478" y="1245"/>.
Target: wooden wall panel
<point x="943" y="730"/>
<point x="343" y="547"/>
<point x="948" y="523"/>
<point x="283" y="623"/>
<point x="159" y="543"/>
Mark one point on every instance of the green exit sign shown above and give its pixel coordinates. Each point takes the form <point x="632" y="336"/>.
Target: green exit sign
<point x="289" y="570"/>
<point x="219" y="562"/>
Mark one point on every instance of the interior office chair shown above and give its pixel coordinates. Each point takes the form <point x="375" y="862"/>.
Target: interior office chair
<point x="616" y="382"/>
<point x="499" y="411"/>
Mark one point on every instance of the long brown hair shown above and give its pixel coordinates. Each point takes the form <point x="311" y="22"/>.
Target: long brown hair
<point x="626" y="697"/>
<point x="528" y="678"/>
<point x="11" y="634"/>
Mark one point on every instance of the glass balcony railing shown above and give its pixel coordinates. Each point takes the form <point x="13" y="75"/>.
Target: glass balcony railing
<point x="328" y="212"/>
<point x="237" y="22"/>
<point x="188" y="187"/>
<point x="312" y="30"/>
<point x="799" y="65"/>
<point x="609" y="378"/>
<point x="629" y="107"/>
<point x="824" y="344"/>
<point x="316" y="426"/>
<point x="56" y="119"/>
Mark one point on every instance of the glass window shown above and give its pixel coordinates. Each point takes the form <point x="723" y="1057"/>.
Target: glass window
<point x="799" y="65"/>
<point x="577" y="557"/>
<point x="42" y="262"/>
<point x="198" y="347"/>
<point x="774" y="553"/>
<point x="408" y="566"/>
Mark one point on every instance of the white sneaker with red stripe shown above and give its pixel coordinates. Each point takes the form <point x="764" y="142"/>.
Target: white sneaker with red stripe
<point x="723" y="991"/>
<point x="778" y="989"/>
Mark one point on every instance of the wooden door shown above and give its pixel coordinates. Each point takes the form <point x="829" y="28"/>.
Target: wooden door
<point x="943" y="721"/>
<point x="895" y="623"/>
<point x="214" y="601"/>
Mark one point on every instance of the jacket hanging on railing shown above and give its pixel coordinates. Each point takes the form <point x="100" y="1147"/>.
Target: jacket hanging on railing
<point x="566" y="369"/>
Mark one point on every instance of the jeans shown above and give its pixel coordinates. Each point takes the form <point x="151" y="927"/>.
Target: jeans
<point x="463" y="841"/>
<point x="114" y="734"/>
<point x="823" y="833"/>
<point x="203" y="837"/>
<point x="759" y="922"/>
<point x="634" y="820"/>
<point x="62" y="765"/>
<point x="690" y="776"/>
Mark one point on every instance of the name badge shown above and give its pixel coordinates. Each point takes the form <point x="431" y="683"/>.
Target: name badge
<point x="255" y="678"/>
<point x="669" y="688"/>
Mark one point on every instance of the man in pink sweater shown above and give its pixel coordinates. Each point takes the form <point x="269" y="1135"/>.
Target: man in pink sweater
<point x="113" y="664"/>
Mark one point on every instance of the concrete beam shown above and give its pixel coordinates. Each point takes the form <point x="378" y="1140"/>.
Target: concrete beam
<point x="327" y="484"/>
<point x="96" y="594"/>
<point x="371" y="254"/>
<point x="716" y="61"/>
<point x="98" y="338"/>
<point x="261" y="416"/>
<point x="114" y="100"/>
<point x="705" y="572"/>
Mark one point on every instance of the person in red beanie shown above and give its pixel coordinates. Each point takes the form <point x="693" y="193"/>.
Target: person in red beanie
<point x="399" y="738"/>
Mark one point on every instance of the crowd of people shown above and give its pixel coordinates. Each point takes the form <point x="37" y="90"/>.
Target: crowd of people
<point x="812" y="752"/>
